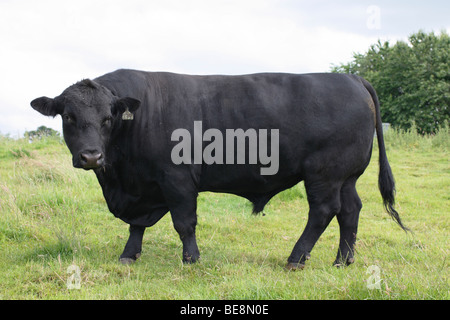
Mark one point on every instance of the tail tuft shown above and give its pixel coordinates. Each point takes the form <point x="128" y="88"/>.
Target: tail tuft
<point x="386" y="184"/>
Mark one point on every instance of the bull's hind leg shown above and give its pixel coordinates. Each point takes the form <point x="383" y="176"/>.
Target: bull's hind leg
<point x="324" y="204"/>
<point x="348" y="223"/>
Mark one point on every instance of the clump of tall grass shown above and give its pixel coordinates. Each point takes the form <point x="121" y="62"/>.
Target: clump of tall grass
<point x="412" y="139"/>
<point x="38" y="185"/>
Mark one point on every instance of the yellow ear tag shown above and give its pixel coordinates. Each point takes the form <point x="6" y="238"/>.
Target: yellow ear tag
<point x="127" y="115"/>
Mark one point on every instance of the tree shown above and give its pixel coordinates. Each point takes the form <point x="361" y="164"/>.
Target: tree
<point x="40" y="132"/>
<point x="412" y="79"/>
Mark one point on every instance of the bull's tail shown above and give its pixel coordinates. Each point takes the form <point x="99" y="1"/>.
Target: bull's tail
<point x="386" y="182"/>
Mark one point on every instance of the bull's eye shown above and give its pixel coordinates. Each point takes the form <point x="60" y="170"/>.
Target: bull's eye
<point x="106" y="122"/>
<point x="67" y="118"/>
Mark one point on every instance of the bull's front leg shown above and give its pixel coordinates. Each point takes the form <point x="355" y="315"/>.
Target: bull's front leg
<point x="184" y="220"/>
<point x="181" y="197"/>
<point x="133" y="247"/>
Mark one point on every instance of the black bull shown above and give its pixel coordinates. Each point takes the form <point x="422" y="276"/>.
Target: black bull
<point x="121" y="125"/>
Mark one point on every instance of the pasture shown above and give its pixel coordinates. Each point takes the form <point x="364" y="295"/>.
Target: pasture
<point x="59" y="241"/>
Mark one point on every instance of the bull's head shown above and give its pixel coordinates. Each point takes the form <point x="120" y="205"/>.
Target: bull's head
<point x="90" y="112"/>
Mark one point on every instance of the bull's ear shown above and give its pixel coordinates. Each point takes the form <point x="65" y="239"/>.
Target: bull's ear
<point x="46" y="106"/>
<point x="127" y="103"/>
<point x="126" y="107"/>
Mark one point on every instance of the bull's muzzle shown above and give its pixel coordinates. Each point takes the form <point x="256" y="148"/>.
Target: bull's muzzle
<point x="91" y="160"/>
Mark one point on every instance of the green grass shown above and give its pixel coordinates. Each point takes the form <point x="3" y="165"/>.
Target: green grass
<point x="53" y="216"/>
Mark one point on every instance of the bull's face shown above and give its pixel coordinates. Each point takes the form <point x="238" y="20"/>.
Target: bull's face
<point x="90" y="113"/>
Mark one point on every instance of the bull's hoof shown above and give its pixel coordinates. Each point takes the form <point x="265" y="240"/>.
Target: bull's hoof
<point x="190" y="259"/>
<point x="343" y="263"/>
<point x="297" y="265"/>
<point x="291" y="266"/>
<point x="129" y="260"/>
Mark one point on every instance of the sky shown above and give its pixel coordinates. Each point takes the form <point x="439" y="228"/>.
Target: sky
<point x="48" y="45"/>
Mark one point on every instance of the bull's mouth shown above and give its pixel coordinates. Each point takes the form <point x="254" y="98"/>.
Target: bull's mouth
<point x="92" y="167"/>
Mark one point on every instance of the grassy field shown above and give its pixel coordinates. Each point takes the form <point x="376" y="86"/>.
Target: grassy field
<point x="59" y="241"/>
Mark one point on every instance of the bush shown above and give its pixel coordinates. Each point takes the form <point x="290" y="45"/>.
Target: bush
<point x="412" y="80"/>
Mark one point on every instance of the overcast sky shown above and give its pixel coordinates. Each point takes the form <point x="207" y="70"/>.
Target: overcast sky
<point x="47" y="45"/>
